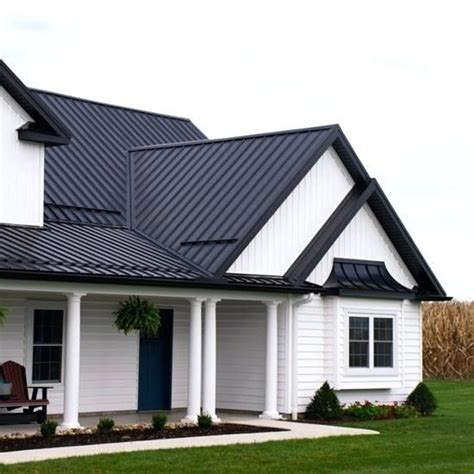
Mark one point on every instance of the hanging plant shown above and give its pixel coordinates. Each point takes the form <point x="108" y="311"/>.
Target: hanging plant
<point x="3" y="316"/>
<point x="135" y="314"/>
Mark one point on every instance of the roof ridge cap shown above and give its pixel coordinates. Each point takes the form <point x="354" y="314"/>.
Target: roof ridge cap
<point x="105" y="104"/>
<point x="237" y="137"/>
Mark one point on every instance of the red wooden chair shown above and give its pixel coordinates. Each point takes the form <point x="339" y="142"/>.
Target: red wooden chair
<point x="36" y="409"/>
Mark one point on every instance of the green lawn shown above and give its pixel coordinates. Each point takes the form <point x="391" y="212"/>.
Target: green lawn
<point x="443" y="443"/>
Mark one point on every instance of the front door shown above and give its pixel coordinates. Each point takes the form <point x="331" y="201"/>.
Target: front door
<point x="154" y="381"/>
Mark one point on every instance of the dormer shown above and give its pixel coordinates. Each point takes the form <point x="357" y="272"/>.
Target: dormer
<point x="27" y="126"/>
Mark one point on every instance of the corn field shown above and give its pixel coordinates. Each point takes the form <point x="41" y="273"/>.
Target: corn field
<point x="448" y="340"/>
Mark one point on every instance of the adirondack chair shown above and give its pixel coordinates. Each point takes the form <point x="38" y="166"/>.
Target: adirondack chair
<point x="36" y="408"/>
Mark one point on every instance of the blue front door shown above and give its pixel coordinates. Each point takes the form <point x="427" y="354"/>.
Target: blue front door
<point x="154" y="386"/>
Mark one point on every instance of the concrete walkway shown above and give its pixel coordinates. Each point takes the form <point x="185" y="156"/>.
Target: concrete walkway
<point x="296" y="431"/>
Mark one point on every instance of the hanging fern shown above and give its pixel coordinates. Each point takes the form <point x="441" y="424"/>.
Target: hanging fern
<point x="136" y="314"/>
<point x="3" y="316"/>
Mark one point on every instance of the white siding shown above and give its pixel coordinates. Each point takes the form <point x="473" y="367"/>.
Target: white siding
<point x="364" y="239"/>
<point x="323" y="345"/>
<point x="12" y="334"/>
<point x="310" y="355"/>
<point x="21" y="168"/>
<point x="298" y="219"/>
<point x="240" y="356"/>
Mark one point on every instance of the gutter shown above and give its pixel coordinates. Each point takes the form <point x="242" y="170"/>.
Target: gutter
<point x="293" y="305"/>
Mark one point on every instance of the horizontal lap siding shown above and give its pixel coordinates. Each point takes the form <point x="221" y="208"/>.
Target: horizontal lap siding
<point x="311" y="342"/>
<point x="12" y="333"/>
<point x="109" y="361"/>
<point x="241" y="333"/>
<point x="321" y="356"/>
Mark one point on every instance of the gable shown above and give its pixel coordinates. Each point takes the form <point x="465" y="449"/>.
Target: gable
<point x="363" y="239"/>
<point x="298" y="219"/>
<point x="21" y="168"/>
<point x="208" y="199"/>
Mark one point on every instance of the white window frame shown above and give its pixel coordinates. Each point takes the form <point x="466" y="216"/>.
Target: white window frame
<point x="371" y="315"/>
<point x="31" y="307"/>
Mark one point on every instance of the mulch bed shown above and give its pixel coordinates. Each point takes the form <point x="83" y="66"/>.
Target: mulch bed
<point x="125" y="435"/>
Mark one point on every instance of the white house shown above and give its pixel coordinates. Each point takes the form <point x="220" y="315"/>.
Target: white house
<point x="277" y="262"/>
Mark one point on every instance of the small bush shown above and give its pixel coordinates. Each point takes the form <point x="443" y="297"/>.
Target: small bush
<point x="48" y="428"/>
<point x="324" y="405"/>
<point x="405" y="411"/>
<point x="159" y="421"/>
<point x="205" y="421"/>
<point x="362" y="411"/>
<point x="370" y="411"/>
<point x="423" y="400"/>
<point x="105" y="425"/>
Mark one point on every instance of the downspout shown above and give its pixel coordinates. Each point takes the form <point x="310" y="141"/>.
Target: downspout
<point x="293" y="306"/>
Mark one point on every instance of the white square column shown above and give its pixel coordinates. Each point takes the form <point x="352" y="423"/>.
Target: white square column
<point x="271" y="362"/>
<point x="209" y="358"/>
<point x="194" y="364"/>
<point x="72" y="363"/>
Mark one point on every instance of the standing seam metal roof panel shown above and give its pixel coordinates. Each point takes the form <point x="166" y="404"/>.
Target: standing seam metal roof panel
<point x="91" y="250"/>
<point x="201" y="199"/>
<point x="91" y="172"/>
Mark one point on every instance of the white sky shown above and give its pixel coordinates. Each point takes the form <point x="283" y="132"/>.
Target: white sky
<point x="397" y="76"/>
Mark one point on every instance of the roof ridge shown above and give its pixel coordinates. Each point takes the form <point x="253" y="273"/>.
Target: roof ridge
<point x="238" y="137"/>
<point x="105" y="104"/>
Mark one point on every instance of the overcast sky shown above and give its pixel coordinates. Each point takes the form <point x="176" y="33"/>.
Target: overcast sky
<point x="397" y="76"/>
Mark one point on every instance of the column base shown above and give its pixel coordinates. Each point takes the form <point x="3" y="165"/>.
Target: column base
<point x="189" y="420"/>
<point x="270" y="415"/>
<point x="69" y="426"/>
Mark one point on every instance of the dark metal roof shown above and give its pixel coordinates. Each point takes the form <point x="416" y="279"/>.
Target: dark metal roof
<point x="364" y="278"/>
<point x="91" y="172"/>
<point x="47" y="128"/>
<point x="88" y="250"/>
<point x="257" y="280"/>
<point x="207" y="199"/>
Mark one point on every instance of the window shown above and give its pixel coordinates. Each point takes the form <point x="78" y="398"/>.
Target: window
<point x="370" y="342"/>
<point x="47" y="345"/>
<point x="359" y="342"/>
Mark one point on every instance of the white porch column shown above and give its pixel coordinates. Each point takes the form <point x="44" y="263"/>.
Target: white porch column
<point x="72" y="363"/>
<point x="194" y="364"/>
<point x="209" y="358"/>
<point x="271" y="362"/>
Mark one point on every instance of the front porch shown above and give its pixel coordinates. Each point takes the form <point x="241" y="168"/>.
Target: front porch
<point x="229" y="350"/>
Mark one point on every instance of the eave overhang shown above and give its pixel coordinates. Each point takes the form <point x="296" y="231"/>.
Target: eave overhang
<point x="46" y="127"/>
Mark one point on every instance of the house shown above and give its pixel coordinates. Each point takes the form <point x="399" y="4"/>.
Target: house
<point x="277" y="261"/>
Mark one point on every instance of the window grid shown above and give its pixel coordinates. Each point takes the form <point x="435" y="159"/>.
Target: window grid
<point x="47" y="345"/>
<point x="371" y="341"/>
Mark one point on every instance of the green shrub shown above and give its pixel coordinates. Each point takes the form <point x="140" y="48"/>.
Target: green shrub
<point x="405" y="411"/>
<point x="324" y="405"/>
<point x="159" y="421"/>
<point x="362" y="411"/>
<point x="205" y="421"/>
<point x="105" y="425"/>
<point x="423" y="400"/>
<point x="48" y="428"/>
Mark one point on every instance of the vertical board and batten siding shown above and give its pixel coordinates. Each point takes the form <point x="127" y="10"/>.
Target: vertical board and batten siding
<point x="323" y="347"/>
<point x="297" y="220"/>
<point x="21" y="168"/>
<point x="364" y="239"/>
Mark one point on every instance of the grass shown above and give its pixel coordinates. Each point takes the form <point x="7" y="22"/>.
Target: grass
<point x="443" y="443"/>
